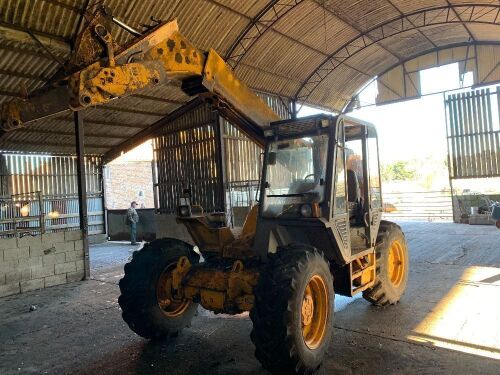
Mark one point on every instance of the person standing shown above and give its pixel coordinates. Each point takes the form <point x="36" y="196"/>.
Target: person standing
<point x="132" y="220"/>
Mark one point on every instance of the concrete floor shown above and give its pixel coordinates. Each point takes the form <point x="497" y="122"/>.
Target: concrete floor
<point x="447" y="322"/>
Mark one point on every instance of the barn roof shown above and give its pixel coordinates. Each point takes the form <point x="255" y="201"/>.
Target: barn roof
<point x="319" y="52"/>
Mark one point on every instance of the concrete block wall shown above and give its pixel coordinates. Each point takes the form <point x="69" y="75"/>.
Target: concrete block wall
<point x="31" y="263"/>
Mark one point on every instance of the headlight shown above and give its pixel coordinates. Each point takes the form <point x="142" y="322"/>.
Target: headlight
<point x="306" y="210"/>
<point x="184" y="211"/>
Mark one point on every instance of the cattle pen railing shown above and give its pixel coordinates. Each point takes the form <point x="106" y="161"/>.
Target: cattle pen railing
<point x="33" y="214"/>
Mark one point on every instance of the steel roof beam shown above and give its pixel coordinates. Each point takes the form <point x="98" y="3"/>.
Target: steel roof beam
<point x="63" y="5"/>
<point x="423" y="53"/>
<point x="64" y="133"/>
<point x="244" y="43"/>
<point x="358" y="30"/>
<point x="420" y="31"/>
<point x="101" y="122"/>
<point x="50" y="144"/>
<point x="461" y="21"/>
<point x="427" y="17"/>
<point x="13" y="73"/>
<point x="38" y="33"/>
<point x="150" y="131"/>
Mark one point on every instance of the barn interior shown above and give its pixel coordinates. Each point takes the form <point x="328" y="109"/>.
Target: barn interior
<point x="62" y="250"/>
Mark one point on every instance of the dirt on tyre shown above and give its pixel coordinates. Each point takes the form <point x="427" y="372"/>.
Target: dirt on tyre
<point x="149" y="306"/>
<point x="293" y="311"/>
<point x="392" y="261"/>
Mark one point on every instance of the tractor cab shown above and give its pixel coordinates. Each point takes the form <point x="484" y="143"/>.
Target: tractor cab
<point x="321" y="187"/>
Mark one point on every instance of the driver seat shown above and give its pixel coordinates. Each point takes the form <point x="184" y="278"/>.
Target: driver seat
<point x="353" y="191"/>
<point x="354" y="197"/>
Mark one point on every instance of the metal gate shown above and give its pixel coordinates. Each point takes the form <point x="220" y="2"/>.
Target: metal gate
<point x="473" y="133"/>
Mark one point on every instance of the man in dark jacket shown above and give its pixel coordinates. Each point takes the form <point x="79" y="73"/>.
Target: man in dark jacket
<point x="132" y="220"/>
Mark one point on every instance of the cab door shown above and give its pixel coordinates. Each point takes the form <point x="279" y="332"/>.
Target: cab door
<point x="373" y="182"/>
<point x="339" y="212"/>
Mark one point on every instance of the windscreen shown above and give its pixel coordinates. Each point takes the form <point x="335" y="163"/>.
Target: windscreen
<point x="295" y="174"/>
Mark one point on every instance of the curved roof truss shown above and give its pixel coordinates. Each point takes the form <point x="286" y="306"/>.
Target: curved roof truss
<point x="256" y="28"/>
<point x="458" y="13"/>
<point x="471" y="54"/>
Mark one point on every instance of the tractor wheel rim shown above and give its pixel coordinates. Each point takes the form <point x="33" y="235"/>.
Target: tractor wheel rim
<point x="396" y="263"/>
<point x="170" y="305"/>
<point x="314" y="312"/>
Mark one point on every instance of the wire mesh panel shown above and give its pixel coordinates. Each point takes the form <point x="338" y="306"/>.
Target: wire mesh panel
<point x="188" y="159"/>
<point x="474" y="133"/>
<point x="187" y="154"/>
<point x="242" y="155"/>
<point x="241" y="196"/>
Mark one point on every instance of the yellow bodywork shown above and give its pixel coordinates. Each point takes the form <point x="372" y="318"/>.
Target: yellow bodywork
<point x="363" y="272"/>
<point x="216" y="289"/>
<point x="222" y="241"/>
<point x="171" y="58"/>
<point x="162" y="56"/>
<point x="220" y="289"/>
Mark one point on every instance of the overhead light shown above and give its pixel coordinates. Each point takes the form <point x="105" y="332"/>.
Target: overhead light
<point x="25" y="210"/>
<point x="53" y="215"/>
<point x="268" y="133"/>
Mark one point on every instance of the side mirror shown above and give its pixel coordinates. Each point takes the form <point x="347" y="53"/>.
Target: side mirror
<point x="271" y="158"/>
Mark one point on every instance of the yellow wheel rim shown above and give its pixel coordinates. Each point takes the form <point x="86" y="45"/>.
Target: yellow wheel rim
<point x="396" y="263"/>
<point x="314" y="312"/>
<point x="170" y="304"/>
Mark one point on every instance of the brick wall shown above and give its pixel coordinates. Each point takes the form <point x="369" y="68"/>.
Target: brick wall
<point x="123" y="183"/>
<point x="38" y="262"/>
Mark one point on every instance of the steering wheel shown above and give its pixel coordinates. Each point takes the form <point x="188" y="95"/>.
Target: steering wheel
<point x="309" y="175"/>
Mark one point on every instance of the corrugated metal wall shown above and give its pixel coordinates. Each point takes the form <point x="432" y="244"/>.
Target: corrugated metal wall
<point x="56" y="178"/>
<point x="473" y="131"/>
<point x="186" y="154"/>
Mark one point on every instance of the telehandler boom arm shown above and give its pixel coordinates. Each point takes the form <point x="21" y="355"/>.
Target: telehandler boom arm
<point x="161" y="56"/>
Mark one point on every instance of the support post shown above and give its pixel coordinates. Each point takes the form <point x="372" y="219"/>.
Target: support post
<point x="102" y="169"/>
<point x="220" y="160"/>
<point x="82" y="189"/>
<point x="154" y="176"/>
<point x="294" y="109"/>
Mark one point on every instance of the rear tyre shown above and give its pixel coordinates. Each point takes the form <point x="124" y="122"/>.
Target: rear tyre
<point x="293" y="312"/>
<point x="148" y="304"/>
<point x="392" y="266"/>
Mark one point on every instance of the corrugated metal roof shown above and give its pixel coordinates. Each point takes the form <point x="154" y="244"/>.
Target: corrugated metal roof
<point x="288" y="45"/>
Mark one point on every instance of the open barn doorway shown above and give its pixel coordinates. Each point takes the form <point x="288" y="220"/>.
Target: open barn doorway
<point x="423" y="141"/>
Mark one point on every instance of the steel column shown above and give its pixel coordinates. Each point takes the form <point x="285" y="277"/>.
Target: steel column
<point x="82" y="189"/>
<point x="220" y="160"/>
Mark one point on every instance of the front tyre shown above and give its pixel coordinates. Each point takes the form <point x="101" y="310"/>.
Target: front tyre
<point x="149" y="305"/>
<point x="392" y="266"/>
<point x="293" y="312"/>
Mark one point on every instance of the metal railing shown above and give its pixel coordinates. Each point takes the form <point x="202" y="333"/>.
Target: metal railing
<point x="33" y="214"/>
<point x="418" y="205"/>
<point x="241" y="196"/>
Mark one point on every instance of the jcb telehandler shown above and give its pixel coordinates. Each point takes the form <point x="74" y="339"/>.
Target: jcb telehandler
<point x="316" y="231"/>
